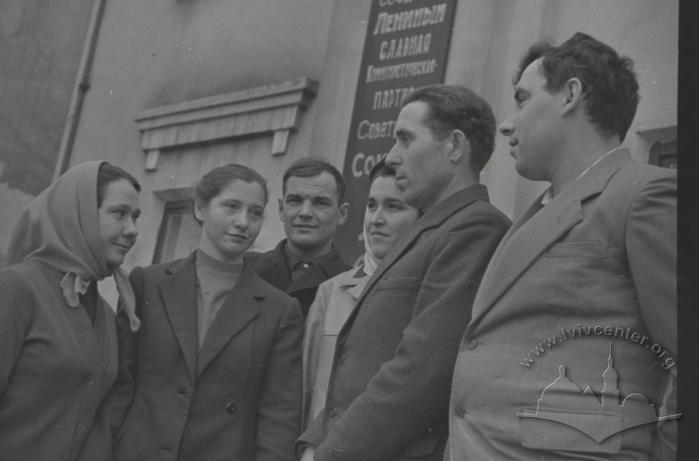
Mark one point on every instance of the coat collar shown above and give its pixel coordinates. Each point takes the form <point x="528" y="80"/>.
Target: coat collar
<point x="433" y="218"/>
<point x="179" y="296"/>
<point x="538" y="228"/>
<point x="353" y="281"/>
<point x="272" y="267"/>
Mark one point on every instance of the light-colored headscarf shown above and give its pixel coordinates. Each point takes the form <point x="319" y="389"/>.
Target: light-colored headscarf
<point x="370" y="261"/>
<point x="61" y="228"/>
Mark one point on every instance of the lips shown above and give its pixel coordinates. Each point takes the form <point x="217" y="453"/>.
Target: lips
<point x="378" y="234"/>
<point x="125" y="247"/>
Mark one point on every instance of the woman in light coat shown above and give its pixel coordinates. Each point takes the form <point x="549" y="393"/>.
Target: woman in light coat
<point x="386" y="217"/>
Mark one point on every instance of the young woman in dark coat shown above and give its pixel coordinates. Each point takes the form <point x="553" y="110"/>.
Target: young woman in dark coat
<point x="215" y="371"/>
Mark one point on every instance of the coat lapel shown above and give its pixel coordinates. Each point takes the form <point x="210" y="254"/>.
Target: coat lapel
<point x="271" y="266"/>
<point x="433" y="218"/>
<point x="537" y="230"/>
<point x="240" y="307"/>
<point x="179" y="295"/>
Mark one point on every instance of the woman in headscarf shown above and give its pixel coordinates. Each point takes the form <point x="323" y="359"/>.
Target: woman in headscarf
<point x="58" y="346"/>
<point x="216" y="366"/>
<point x="386" y="217"/>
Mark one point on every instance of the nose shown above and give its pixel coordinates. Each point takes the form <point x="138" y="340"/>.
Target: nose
<point x="241" y="219"/>
<point x="506" y="128"/>
<point x="306" y="209"/>
<point x="377" y="218"/>
<point x="130" y="229"/>
<point x="391" y="158"/>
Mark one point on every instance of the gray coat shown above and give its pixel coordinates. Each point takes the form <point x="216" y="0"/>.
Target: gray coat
<point x="592" y="270"/>
<point x="389" y="388"/>
<point x="238" y="397"/>
<point x="55" y="370"/>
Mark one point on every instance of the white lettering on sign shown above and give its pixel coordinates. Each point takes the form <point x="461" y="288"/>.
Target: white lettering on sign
<point x="388" y="99"/>
<point x="405" y="46"/>
<point x="362" y="164"/>
<point x="406" y="69"/>
<point x="376" y="130"/>
<point x="404" y="20"/>
<point x="385" y="3"/>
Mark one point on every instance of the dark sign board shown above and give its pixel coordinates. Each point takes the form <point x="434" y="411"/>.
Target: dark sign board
<point x="406" y="46"/>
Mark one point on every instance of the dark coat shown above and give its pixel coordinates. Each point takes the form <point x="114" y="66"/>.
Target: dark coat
<point x="592" y="273"/>
<point x="55" y="370"/>
<point x="239" y="397"/>
<point x="389" y="389"/>
<point x="272" y="267"/>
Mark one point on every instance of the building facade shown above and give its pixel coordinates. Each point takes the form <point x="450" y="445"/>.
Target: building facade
<point x="178" y="87"/>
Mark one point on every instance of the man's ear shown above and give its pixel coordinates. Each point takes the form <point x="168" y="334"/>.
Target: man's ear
<point x="573" y="92"/>
<point x="343" y="212"/>
<point x="197" y="210"/>
<point x="280" y="203"/>
<point x="459" y="146"/>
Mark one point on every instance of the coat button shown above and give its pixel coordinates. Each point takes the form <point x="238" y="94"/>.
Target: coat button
<point x="333" y="412"/>
<point x="231" y="408"/>
<point x="82" y="427"/>
<point x="181" y="390"/>
<point x="471" y="344"/>
<point x="459" y="411"/>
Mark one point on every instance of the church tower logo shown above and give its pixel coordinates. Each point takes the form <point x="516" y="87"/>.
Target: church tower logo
<point x="597" y="416"/>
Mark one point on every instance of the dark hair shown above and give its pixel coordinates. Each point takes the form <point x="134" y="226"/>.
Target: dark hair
<point x="381" y="170"/>
<point x="453" y="107"/>
<point x="609" y="85"/>
<point x="213" y="182"/>
<point x="308" y="167"/>
<point x="109" y="173"/>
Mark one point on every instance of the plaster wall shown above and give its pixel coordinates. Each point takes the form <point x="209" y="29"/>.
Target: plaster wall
<point x="160" y="52"/>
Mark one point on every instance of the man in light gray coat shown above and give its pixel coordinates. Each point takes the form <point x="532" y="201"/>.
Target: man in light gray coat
<point x="570" y="352"/>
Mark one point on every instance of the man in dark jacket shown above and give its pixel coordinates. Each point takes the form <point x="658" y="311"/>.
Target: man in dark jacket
<point x="312" y="208"/>
<point x="389" y="386"/>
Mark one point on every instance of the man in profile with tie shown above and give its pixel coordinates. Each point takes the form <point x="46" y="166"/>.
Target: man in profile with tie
<point x="312" y="207"/>
<point x="590" y="264"/>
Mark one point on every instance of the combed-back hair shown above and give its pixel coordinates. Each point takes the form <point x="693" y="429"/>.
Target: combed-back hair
<point x="454" y="107"/>
<point x="308" y="167"/>
<point x="213" y="182"/>
<point x="609" y="84"/>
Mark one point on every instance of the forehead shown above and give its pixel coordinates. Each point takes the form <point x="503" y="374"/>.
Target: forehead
<point x="321" y="185"/>
<point x="120" y="191"/>
<point x="413" y="116"/>
<point x="532" y="77"/>
<point x="243" y="191"/>
<point x="384" y="187"/>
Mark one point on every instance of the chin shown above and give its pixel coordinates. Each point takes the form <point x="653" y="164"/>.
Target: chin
<point x="305" y="241"/>
<point x="111" y="263"/>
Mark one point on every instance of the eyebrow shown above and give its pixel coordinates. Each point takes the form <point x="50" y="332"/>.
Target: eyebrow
<point x="402" y="132"/>
<point x="519" y="92"/>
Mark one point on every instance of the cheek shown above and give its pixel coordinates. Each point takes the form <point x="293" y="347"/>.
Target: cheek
<point x="255" y="226"/>
<point x="368" y="216"/>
